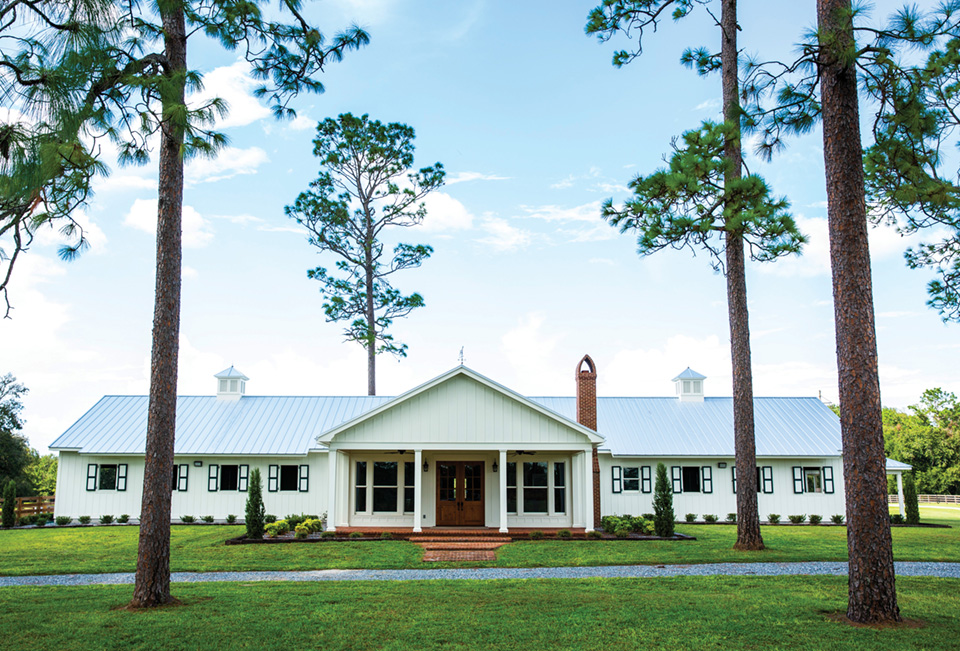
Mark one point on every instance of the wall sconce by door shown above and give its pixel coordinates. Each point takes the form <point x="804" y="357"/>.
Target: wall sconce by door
<point x="426" y="466"/>
<point x="495" y="466"/>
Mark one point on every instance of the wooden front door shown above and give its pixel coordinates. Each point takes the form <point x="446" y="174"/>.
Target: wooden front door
<point x="460" y="494"/>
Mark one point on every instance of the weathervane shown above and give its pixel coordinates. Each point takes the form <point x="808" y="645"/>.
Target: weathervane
<point x="461" y="355"/>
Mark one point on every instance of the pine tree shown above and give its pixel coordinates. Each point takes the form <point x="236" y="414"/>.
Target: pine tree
<point x="663" y="517"/>
<point x="255" y="512"/>
<point x="9" y="503"/>
<point x="910" y="502"/>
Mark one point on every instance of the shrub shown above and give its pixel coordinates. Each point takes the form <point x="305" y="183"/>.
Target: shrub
<point x="106" y="519"/>
<point x="64" y="520"/>
<point x="42" y="520"/>
<point x="622" y="531"/>
<point x="123" y="519"/>
<point x="315" y="525"/>
<point x="691" y="517"/>
<point x="648" y="516"/>
<point x="27" y="520"/>
<point x="609" y="522"/>
<point x="564" y="534"/>
<point x="536" y="535"/>
<point x="594" y="535"/>
<point x="187" y="519"/>
<point x="896" y="518"/>
<point x="269" y="517"/>
<point x="328" y="534"/>
<point x="731" y="517"/>
<point x="642" y="526"/>
<point x="271" y="530"/>
<point x="836" y="519"/>
<point x="9" y="503"/>
<point x="283" y="527"/>
<point x="231" y="519"/>
<point x="816" y="519"/>
<point x="254" y="517"/>
<point x="207" y="518"/>
<point x="663" y="504"/>
<point x="773" y="518"/>
<point x="84" y="519"/>
<point x="386" y="535"/>
<point x="301" y="530"/>
<point x="356" y="534"/>
<point x="797" y="519"/>
<point x="910" y="503"/>
<point x="294" y="520"/>
<point x="709" y="517"/>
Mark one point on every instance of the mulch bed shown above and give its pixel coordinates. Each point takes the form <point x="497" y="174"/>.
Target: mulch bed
<point x="375" y="537"/>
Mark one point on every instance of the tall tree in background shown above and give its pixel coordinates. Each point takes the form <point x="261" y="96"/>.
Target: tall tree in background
<point x="134" y="93"/>
<point x="14" y="449"/>
<point x="365" y="185"/>
<point x="928" y="438"/>
<point x="704" y="195"/>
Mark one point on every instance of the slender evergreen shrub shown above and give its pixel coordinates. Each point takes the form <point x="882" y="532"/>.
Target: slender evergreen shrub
<point x="910" y="502"/>
<point x="255" y="514"/>
<point x="663" y="516"/>
<point x="9" y="502"/>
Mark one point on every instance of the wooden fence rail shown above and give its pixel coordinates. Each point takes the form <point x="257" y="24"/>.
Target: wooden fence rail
<point x="33" y="505"/>
<point x="930" y="499"/>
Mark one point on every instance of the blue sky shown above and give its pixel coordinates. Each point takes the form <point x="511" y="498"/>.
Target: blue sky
<point x="535" y="128"/>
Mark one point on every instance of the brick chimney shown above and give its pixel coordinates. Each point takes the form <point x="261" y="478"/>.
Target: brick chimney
<point x="586" y="376"/>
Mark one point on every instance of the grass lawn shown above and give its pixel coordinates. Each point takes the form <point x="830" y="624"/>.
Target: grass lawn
<point x="201" y="549"/>
<point x="741" y="613"/>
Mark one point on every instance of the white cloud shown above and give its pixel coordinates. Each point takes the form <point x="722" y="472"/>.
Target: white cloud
<point x="710" y="104"/>
<point x="444" y="213"/>
<point x="461" y="177"/>
<point x="502" y="237"/>
<point x="125" y="182"/>
<point x="235" y="86"/>
<point x="197" y="231"/>
<point x="302" y="122"/>
<point x="229" y="163"/>
<point x="588" y="212"/>
<point x="648" y="371"/>
<point x="531" y="351"/>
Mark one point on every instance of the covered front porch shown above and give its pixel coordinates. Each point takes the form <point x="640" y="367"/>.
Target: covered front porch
<point x="454" y="489"/>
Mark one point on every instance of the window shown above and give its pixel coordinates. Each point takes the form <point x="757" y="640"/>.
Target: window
<point x="409" y="486"/>
<point x="289" y="478"/>
<point x="223" y="386"/>
<point x="361" y="489"/>
<point x="812" y="482"/>
<point x="559" y="487"/>
<point x="646" y="483"/>
<point x="229" y="477"/>
<point x="385" y="486"/>
<point x="180" y="476"/>
<point x="511" y="487"/>
<point x="631" y="478"/>
<point x="692" y="479"/>
<point x="108" y="477"/>
<point x="535" y="482"/>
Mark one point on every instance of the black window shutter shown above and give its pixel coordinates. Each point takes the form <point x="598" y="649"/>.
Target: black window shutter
<point x="797" y="479"/>
<point x="767" y="479"/>
<point x="122" y="477"/>
<point x="242" y="478"/>
<point x="645" y="482"/>
<point x="828" y="479"/>
<point x="676" y="475"/>
<point x="213" y="478"/>
<point x="304" y="478"/>
<point x="616" y="477"/>
<point x="182" y="477"/>
<point x="273" y="478"/>
<point x="706" y="479"/>
<point x="733" y="475"/>
<point x="91" y="476"/>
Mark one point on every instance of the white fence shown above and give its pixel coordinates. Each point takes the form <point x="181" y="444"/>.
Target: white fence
<point x="930" y="499"/>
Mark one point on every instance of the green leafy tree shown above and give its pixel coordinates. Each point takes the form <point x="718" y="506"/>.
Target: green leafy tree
<point x="255" y="512"/>
<point x="928" y="438"/>
<point x="910" y="502"/>
<point x="663" y="517"/>
<point x="15" y="451"/>
<point x="703" y="200"/>
<point x="42" y="473"/>
<point x="365" y="185"/>
<point x="9" y="504"/>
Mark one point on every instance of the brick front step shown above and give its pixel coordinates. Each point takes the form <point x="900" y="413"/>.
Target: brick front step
<point x="443" y="555"/>
<point x="461" y="545"/>
<point x="460" y="539"/>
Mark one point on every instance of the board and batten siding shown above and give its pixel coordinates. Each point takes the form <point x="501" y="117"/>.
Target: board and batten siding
<point x="74" y="500"/>
<point x="461" y="412"/>
<point x="782" y="501"/>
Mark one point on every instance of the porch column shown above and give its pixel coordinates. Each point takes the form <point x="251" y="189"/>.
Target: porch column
<point x="503" y="491"/>
<point x="418" y="491"/>
<point x="332" y="459"/>
<point x="588" y="496"/>
<point x="900" y="492"/>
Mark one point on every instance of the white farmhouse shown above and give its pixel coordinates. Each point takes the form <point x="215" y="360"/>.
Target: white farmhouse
<point x="458" y="451"/>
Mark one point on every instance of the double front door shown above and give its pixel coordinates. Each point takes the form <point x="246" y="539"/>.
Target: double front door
<point x="460" y="493"/>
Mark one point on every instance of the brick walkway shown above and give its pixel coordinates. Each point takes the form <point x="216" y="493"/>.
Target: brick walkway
<point x="455" y="548"/>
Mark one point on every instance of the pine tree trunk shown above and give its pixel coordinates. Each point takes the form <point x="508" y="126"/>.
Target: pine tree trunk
<point x="371" y="318"/>
<point x="152" y="587"/>
<point x="748" y="519"/>
<point x="872" y="589"/>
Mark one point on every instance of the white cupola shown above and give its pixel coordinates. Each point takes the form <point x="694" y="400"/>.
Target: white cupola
<point x="231" y="383"/>
<point x="690" y="385"/>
